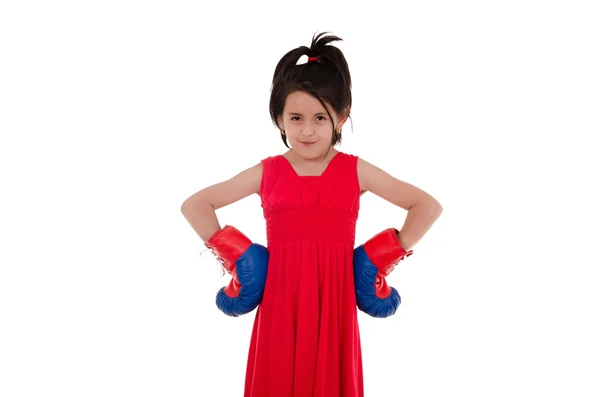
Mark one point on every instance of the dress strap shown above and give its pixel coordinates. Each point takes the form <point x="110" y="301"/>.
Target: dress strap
<point x="346" y="172"/>
<point x="269" y="168"/>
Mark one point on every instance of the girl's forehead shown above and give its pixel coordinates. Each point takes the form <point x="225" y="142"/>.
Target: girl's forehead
<point x="301" y="102"/>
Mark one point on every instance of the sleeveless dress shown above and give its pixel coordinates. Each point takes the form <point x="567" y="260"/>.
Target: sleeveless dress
<point x="305" y="340"/>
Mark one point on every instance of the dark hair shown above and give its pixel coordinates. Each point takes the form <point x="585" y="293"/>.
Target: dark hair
<point x="327" y="79"/>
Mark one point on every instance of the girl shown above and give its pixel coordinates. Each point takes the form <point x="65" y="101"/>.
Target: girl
<point x="309" y="280"/>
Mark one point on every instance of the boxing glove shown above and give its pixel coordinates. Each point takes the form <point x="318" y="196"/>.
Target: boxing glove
<point x="247" y="263"/>
<point x="373" y="262"/>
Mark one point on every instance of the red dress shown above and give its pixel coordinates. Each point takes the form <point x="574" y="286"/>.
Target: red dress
<point x="305" y="341"/>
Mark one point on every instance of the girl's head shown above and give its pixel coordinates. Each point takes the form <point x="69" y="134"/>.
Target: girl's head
<point x="311" y="102"/>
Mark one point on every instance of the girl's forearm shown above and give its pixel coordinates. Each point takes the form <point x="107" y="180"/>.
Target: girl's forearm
<point x="202" y="218"/>
<point x="418" y="221"/>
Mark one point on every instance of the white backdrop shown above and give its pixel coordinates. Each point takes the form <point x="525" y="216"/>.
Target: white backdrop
<point x="113" y="113"/>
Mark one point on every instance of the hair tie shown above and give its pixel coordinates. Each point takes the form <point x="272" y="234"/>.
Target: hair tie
<point x="316" y="59"/>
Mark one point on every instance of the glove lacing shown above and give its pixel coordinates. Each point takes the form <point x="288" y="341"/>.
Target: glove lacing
<point x="219" y="260"/>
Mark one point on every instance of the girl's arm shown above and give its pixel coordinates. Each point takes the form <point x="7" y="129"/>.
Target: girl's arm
<point x="200" y="208"/>
<point x="423" y="209"/>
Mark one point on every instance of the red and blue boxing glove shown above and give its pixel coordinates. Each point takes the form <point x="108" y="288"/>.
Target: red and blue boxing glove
<point x="373" y="262"/>
<point x="247" y="263"/>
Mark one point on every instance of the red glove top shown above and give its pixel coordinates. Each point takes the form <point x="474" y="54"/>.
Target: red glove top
<point x="385" y="251"/>
<point x="228" y="244"/>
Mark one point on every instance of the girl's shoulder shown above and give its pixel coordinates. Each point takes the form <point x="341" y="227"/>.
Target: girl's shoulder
<point x="270" y="165"/>
<point x="270" y="159"/>
<point x="270" y="162"/>
<point x="350" y="156"/>
<point x="350" y="159"/>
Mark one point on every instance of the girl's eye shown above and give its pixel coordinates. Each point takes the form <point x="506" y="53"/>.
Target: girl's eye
<point x="297" y="118"/>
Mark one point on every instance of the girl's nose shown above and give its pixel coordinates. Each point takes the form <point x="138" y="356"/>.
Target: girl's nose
<point x="308" y="131"/>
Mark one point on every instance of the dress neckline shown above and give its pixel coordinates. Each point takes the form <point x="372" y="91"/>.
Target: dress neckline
<point x="310" y="176"/>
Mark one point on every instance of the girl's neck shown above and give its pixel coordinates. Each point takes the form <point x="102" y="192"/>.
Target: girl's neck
<point x="294" y="158"/>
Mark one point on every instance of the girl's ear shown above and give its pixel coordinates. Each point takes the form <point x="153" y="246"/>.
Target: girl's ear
<point x="280" y="123"/>
<point x="343" y="116"/>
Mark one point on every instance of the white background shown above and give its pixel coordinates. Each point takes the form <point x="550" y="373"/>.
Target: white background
<point x="113" y="113"/>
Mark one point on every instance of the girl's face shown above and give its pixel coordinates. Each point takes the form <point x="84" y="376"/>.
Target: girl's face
<point x="307" y="125"/>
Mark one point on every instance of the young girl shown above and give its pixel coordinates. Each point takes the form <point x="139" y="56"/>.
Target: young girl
<point x="309" y="280"/>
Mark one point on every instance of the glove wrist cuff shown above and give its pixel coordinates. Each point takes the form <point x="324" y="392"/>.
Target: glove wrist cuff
<point x="384" y="250"/>
<point x="228" y="244"/>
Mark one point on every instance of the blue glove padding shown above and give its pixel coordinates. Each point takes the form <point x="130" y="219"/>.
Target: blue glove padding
<point x="365" y="276"/>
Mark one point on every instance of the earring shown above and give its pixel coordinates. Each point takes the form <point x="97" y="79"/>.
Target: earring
<point x="282" y="132"/>
<point x="338" y="131"/>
